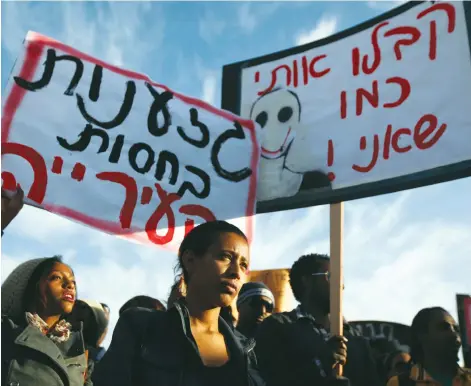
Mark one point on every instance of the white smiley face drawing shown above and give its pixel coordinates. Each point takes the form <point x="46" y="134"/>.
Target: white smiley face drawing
<point x="278" y="113"/>
<point x="287" y="158"/>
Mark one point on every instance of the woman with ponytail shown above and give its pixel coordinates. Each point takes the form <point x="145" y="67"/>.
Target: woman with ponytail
<point x="191" y="343"/>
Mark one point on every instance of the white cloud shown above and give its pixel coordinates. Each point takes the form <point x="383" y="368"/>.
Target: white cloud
<point x="326" y="26"/>
<point x="384" y="5"/>
<point x="115" y="34"/>
<point x="247" y="20"/>
<point x="40" y="225"/>
<point x="210" y="26"/>
<point x="209" y="89"/>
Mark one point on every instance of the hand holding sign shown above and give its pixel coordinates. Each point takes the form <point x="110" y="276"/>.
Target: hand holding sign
<point x="11" y="206"/>
<point x="112" y="149"/>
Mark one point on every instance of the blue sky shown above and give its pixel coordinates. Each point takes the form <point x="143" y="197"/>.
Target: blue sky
<point x="403" y="251"/>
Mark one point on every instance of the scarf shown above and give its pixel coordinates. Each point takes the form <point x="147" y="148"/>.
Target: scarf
<point x="60" y="332"/>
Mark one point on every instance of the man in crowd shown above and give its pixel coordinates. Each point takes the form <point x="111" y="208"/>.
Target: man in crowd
<point x="435" y="346"/>
<point x="254" y="303"/>
<point x="297" y="348"/>
<point x="142" y="301"/>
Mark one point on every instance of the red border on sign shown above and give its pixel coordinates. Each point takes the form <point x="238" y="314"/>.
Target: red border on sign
<point x="35" y="44"/>
<point x="467" y="317"/>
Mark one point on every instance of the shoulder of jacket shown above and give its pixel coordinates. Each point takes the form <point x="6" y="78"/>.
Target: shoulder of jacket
<point x="282" y="318"/>
<point x="139" y="319"/>
<point x="9" y="325"/>
<point x="6" y="321"/>
<point x="247" y="343"/>
<point x="393" y="381"/>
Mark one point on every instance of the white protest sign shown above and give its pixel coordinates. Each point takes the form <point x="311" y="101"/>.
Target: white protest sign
<point x="380" y="107"/>
<point x="114" y="150"/>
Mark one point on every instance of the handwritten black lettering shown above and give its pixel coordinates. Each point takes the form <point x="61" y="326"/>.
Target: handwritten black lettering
<point x="134" y="152"/>
<point x="164" y="158"/>
<point x="190" y="187"/>
<point x="159" y="105"/>
<point x="49" y="66"/>
<point x="84" y="140"/>
<point x="115" y="153"/>
<point x="204" y="141"/>
<point x="123" y="112"/>
<point x="236" y="133"/>
<point x="94" y="92"/>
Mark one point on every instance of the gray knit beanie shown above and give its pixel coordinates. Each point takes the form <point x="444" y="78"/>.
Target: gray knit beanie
<point x="14" y="287"/>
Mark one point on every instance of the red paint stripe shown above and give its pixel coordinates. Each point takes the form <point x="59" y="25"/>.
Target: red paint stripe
<point x="467" y="318"/>
<point x="17" y="93"/>
<point x="34" y="48"/>
<point x="250" y="211"/>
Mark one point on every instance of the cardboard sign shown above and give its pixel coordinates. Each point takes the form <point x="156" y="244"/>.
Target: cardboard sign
<point x="381" y="107"/>
<point x="116" y="151"/>
<point x="277" y="280"/>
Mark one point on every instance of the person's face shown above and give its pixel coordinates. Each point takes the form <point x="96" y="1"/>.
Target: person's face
<point x="57" y="290"/>
<point x="443" y="336"/>
<point x="254" y="310"/>
<point x="218" y="275"/>
<point x="318" y="288"/>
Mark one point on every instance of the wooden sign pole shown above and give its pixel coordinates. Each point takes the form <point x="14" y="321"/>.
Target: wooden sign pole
<point x="336" y="271"/>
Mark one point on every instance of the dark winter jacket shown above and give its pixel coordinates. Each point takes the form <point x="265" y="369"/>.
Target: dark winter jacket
<point x="29" y="358"/>
<point x="151" y="347"/>
<point x="291" y="350"/>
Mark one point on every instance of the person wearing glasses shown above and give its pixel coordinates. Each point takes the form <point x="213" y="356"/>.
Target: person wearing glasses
<point x="254" y="303"/>
<point x="297" y="347"/>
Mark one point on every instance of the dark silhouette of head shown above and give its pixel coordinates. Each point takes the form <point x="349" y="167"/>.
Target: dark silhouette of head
<point x="435" y="332"/>
<point x="142" y="301"/>
<point x="308" y="287"/>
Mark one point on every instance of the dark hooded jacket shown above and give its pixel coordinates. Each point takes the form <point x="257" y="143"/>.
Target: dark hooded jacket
<point x="151" y="347"/>
<point x="28" y="356"/>
<point x="291" y="351"/>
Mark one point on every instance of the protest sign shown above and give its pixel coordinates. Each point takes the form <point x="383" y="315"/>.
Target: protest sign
<point x="373" y="329"/>
<point x="278" y="282"/>
<point x="116" y="151"/>
<point x="464" y="318"/>
<point x="380" y="107"/>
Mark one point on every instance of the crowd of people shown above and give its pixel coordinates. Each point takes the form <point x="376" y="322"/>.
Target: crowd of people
<point x="49" y="337"/>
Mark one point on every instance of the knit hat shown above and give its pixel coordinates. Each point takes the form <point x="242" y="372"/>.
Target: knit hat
<point x="100" y="322"/>
<point x="14" y="287"/>
<point x="254" y="289"/>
